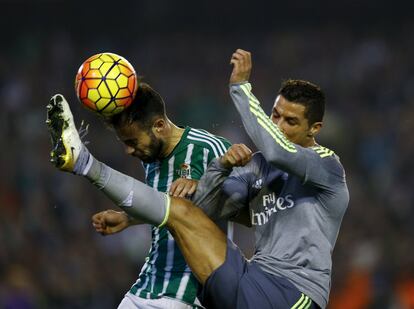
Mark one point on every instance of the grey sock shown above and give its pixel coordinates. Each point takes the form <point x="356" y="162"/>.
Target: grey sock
<point x="134" y="197"/>
<point x="81" y="165"/>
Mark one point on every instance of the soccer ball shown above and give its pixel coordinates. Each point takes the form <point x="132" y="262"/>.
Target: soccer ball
<point x="106" y="83"/>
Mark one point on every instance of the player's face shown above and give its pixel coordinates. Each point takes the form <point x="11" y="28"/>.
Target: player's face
<point x="140" y="143"/>
<point x="291" y="120"/>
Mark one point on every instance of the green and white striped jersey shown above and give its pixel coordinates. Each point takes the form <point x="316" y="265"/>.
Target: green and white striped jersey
<point x="165" y="272"/>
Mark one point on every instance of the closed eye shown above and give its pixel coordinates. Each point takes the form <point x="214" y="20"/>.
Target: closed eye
<point x="291" y="121"/>
<point x="131" y="142"/>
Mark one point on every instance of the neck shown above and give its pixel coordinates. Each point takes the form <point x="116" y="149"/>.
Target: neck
<point x="310" y="143"/>
<point x="174" y="134"/>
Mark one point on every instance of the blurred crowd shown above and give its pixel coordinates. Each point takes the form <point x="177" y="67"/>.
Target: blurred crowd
<point x="50" y="256"/>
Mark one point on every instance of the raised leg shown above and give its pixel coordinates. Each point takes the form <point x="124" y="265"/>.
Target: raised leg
<point x="201" y="241"/>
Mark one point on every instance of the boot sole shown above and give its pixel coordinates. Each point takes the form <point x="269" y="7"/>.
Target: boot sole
<point x="56" y="124"/>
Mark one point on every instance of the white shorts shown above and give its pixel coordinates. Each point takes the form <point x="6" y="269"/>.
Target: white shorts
<point x="132" y="301"/>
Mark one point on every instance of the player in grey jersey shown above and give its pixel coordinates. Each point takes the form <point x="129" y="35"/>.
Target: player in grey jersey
<point x="295" y="193"/>
<point x="296" y="216"/>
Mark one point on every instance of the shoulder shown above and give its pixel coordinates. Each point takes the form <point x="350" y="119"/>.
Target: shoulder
<point x="205" y="139"/>
<point x="329" y="159"/>
<point x="323" y="152"/>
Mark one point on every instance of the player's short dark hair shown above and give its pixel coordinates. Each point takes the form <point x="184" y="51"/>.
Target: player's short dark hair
<point x="307" y="94"/>
<point x="146" y="107"/>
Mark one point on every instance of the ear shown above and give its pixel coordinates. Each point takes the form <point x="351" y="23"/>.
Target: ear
<point x="314" y="129"/>
<point x="158" y="127"/>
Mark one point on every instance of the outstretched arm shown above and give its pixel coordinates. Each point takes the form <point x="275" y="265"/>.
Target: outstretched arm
<point x="110" y="222"/>
<point x="311" y="165"/>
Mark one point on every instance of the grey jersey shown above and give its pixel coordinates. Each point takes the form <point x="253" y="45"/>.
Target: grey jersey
<point x="296" y="198"/>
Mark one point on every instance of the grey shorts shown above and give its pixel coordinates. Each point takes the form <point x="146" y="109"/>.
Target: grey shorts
<point x="241" y="284"/>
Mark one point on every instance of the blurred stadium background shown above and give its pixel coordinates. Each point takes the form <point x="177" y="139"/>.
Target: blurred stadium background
<point x="360" y="52"/>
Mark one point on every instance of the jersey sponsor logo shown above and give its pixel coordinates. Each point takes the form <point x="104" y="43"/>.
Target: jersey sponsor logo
<point x="271" y="204"/>
<point x="184" y="171"/>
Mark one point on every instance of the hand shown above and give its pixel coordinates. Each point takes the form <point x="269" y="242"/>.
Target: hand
<point x="242" y="66"/>
<point x="236" y="155"/>
<point x="183" y="187"/>
<point x="110" y="221"/>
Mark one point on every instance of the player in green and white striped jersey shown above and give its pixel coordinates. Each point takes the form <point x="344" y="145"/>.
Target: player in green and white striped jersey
<point x="173" y="159"/>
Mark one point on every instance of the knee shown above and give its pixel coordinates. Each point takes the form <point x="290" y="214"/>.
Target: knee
<point x="182" y="208"/>
<point x="184" y="212"/>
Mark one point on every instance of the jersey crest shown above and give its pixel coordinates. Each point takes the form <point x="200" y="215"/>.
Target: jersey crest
<point x="184" y="171"/>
